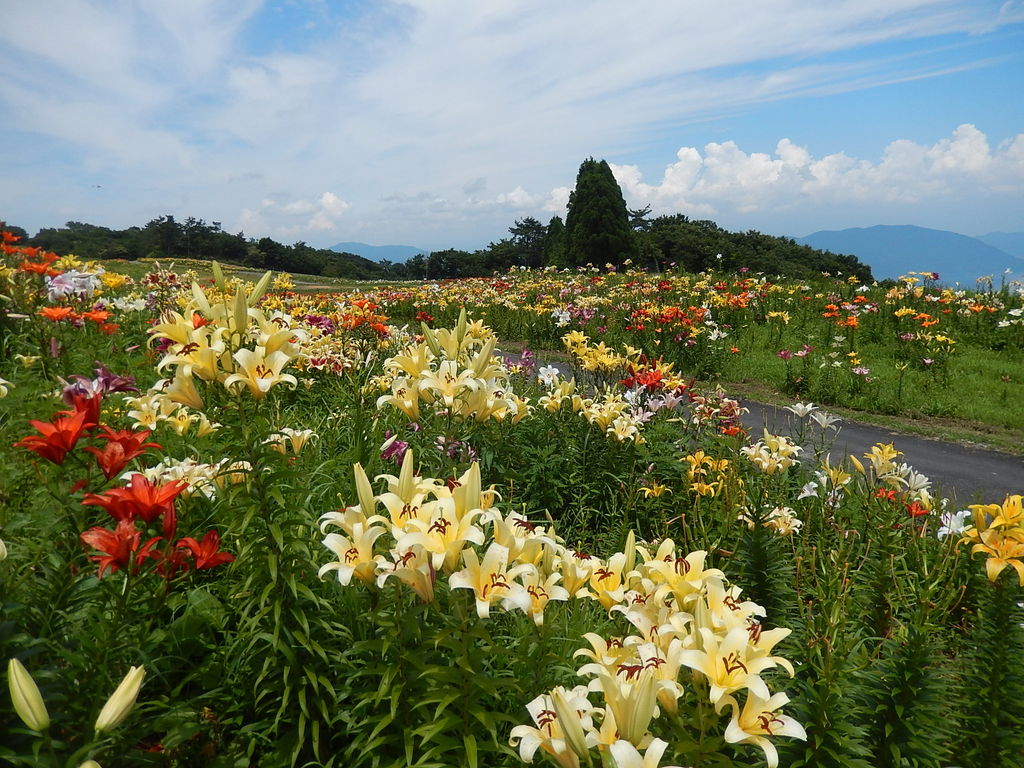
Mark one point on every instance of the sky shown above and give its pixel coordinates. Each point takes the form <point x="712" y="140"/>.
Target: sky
<point x="439" y="123"/>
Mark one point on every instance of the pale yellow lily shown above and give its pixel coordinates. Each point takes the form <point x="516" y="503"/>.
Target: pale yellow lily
<point x="626" y="755"/>
<point x="413" y="568"/>
<point x="448" y="383"/>
<point x="549" y="736"/>
<point x="727" y="664"/>
<point x="758" y="719"/>
<point x="404" y="396"/>
<point x="182" y="390"/>
<point x="632" y="696"/>
<point x="259" y="373"/>
<point x="542" y="588"/>
<point x="491" y="580"/>
<point x="444" y="536"/>
<point x="355" y="555"/>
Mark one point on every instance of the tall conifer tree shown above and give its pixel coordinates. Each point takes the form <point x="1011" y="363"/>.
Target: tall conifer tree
<point x="597" y="224"/>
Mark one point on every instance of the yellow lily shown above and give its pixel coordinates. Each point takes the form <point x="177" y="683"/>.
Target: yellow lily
<point x="412" y="567"/>
<point x="448" y="383"/>
<point x="355" y="555"/>
<point x="542" y="588"/>
<point x="182" y="390"/>
<point x="626" y="755"/>
<point x="759" y="718"/>
<point x="260" y="373"/>
<point x="491" y="580"/>
<point x="413" y="361"/>
<point x="632" y="698"/>
<point x="404" y="396"/>
<point x="727" y="664"/>
<point x="444" y="536"/>
<point x="1003" y="550"/>
<point x="656" y="489"/>
<point x="550" y="734"/>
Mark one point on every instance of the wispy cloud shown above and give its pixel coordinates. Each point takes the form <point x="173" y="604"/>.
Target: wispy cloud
<point x="295" y="216"/>
<point x="430" y="119"/>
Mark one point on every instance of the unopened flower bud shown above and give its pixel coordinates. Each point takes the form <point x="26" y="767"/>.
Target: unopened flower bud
<point x="569" y="719"/>
<point x="121" y="701"/>
<point x="90" y="764"/>
<point x="28" y="702"/>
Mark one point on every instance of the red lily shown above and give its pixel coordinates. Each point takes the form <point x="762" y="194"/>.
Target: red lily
<point x="141" y="498"/>
<point x="915" y="509"/>
<point x="122" y="446"/>
<point x="87" y="402"/>
<point x="117" y="546"/>
<point x="205" y="553"/>
<point x="168" y="563"/>
<point x="57" y="438"/>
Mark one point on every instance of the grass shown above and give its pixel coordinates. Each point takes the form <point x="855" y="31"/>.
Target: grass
<point x="981" y="390"/>
<point x="303" y="283"/>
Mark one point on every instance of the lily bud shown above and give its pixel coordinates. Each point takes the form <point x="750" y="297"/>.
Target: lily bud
<point x="569" y="720"/>
<point x="218" y="276"/>
<point x="460" y="326"/>
<point x="28" y="702"/>
<point x="431" y="338"/>
<point x="856" y="464"/>
<point x="90" y="764"/>
<point x="364" y="491"/>
<point x="630" y="552"/>
<point x="240" y="314"/>
<point x="121" y="701"/>
<point x="202" y="302"/>
<point x="260" y="288"/>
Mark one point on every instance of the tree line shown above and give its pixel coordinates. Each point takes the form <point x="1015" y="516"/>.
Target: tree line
<point x="598" y="229"/>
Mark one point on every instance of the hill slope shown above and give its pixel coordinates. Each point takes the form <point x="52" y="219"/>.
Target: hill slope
<point x="892" y="251"/>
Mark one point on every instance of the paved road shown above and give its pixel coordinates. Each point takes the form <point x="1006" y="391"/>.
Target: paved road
<point x="966" y="475"/>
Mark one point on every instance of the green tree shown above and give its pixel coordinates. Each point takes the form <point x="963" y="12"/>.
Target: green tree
<point x="528" y="238"/>
<point x="16" y="231"/>
<point x="597" y="224"/>
<point x="554" y="242"/>
<point x="638" y="220"/>
<point x="166" y="236"/>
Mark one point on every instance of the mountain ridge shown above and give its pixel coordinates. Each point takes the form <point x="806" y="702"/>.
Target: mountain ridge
<point x="894" y="250"/>
<point x="379" y="253"/>
<point x="1010" y="242"/>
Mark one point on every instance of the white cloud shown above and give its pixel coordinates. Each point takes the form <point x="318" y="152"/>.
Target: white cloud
<point x="557" y="200"/>
<point x="294" y="217"/>
<point x="517" y="198"/>
<point x="725" y="177"/>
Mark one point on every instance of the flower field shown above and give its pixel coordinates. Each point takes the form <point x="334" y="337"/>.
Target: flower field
<point x="243" y="526"/>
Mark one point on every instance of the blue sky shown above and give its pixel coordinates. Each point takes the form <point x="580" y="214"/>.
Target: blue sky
<point x="438" y="123"/>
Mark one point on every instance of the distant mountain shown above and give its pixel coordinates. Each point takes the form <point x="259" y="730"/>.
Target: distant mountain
<point x="892" y="251"/>
<point x="1011" y="242"/>
<point x="393" y="253"/>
